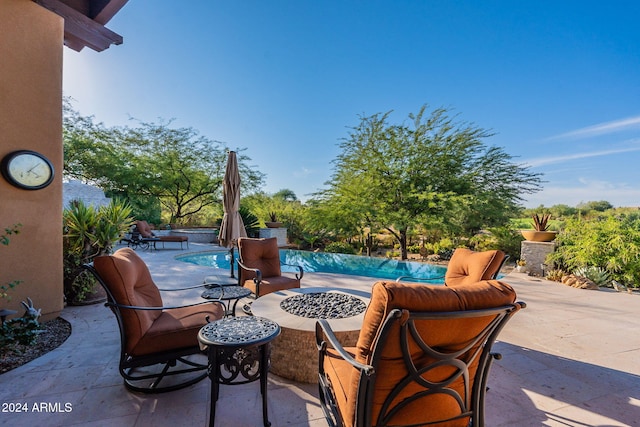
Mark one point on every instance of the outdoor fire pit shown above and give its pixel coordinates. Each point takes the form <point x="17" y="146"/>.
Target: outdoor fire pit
<point x="323" y="305"/>
<point x="294" y="354"/>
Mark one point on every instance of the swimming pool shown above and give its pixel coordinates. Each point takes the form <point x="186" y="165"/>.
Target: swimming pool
<point x="322" y="262"/>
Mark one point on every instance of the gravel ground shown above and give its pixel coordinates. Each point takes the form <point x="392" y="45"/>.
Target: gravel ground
<point x="55" y="333"/>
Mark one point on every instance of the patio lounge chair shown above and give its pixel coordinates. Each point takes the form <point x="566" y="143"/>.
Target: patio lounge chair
<point x="146" y="232"/>
<point x="422" y="356"/>
<point x="260" y="268"/>
<point x="154" y="340"/>
<point x="467" y="266"/>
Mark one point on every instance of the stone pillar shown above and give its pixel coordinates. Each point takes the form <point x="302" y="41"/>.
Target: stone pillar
<point x="279" y="233"/>
<point x="535" y="253"/>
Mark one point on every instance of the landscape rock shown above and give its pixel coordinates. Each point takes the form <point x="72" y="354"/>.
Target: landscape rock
<point x="578" y="282"/>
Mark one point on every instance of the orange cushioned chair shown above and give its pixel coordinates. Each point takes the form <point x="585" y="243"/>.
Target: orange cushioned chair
<point x="422" y="356"/>
<point x="259" y="267"/>
<point x="151" y="335"/>
<point x="467" y="266"/>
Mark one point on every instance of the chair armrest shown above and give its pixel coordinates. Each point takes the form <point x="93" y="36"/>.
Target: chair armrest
<point x="136" y="307"/>
<point x="416" y="279"/>
<point x="257" y="272"/>
<point x="202" y="285"/>
<point x="300" y="272"/>
<point x="323" y="330"/>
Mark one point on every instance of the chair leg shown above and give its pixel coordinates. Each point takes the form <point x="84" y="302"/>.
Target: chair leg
<point x="150" y="383"/>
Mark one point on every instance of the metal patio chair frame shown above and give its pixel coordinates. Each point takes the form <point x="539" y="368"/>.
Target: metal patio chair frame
<point x="417" y="367"/>
<point x="128" y="364"/>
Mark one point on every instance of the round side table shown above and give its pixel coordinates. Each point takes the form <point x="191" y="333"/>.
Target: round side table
<point x="226" y="294"/>
<point x="239" y="350"/>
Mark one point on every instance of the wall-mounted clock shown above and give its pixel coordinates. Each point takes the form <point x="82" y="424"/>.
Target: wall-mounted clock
<point x="27" y="169"/>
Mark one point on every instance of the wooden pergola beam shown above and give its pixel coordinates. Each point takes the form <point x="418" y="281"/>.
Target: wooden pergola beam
<point x="80" y="30"/>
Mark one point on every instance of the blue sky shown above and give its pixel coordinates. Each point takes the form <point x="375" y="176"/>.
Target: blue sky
<point x="558" y="82"/>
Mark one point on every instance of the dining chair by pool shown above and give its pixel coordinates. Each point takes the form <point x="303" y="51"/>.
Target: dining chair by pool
<point x="260" y="269"/>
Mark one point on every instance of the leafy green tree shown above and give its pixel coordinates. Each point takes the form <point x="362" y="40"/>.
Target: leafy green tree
<point x="180" y="168"/>
<point x="288" y="209"/>
<point x="430" y="171"/>
<point x="598" y="206"/>
<point x="562" y="211"/>
<point x="504" y="238"/>
<point x="177" y="167"/>
<point x="286" y="195"/>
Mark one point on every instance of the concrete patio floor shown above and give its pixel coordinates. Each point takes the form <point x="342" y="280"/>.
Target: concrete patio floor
<point x="571" y="358"/>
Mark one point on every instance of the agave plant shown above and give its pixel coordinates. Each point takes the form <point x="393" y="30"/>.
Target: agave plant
<point x="597" y="275"/>
<point x="540" y="222"/>
<point x="251" y="222"/>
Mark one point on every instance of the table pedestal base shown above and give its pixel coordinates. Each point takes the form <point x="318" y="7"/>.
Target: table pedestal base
<point x="238" y="365"/>
<point x="238" y="351"/>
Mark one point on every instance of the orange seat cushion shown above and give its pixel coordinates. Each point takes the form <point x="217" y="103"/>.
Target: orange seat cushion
<point x="176" y="328"/>
<point x="272" y="284"/>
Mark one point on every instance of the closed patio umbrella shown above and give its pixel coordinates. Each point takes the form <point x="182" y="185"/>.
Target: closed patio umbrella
<point x="232" y="226"/>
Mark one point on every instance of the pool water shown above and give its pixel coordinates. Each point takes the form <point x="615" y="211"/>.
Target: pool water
<point x="322" y="262"/>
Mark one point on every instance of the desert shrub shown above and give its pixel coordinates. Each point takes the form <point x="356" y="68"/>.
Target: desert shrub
<point x="414" y="249"/>
<point x="4" y="239"/>
<point x="21" y="330"/>
<point x="393" y="254"/>
<point x="506" y="239"/>
<point x="340" y="248"/>
<point x="445" y="254"/>
<point x="555" y="275"/>
<point x="610" y="242"/>
<point x="443" y="245"/>
<point x="386" y="240"/>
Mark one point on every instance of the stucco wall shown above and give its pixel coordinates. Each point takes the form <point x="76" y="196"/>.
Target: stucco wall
<point x="31" y="43"/>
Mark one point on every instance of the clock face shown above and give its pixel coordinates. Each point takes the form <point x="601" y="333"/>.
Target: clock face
<point x="27" y="169"/>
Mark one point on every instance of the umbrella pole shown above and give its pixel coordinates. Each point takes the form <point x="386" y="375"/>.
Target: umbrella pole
<point x="233" y="261"/>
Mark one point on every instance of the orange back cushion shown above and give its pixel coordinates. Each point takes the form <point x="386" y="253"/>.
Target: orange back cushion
<point x="262" y="254"/>
<point x="467" y="266"/>
<point x="129" y="281"/>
